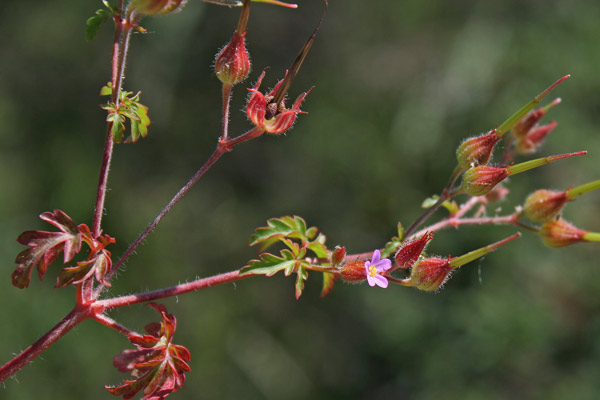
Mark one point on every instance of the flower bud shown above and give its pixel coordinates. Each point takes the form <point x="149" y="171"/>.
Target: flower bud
<point x="410" y="252"/>
<point x="338" y="254"/>
<point x="477" y="150"/>
<point x="527" y="122"/>
<point x="534" y="139"/>
<point x="232" y="63"/>
<point x="480" y="180"/>
<point x="353" y="271"/>
<point x="157" y="6"/>
<point x="560" y="233"/>
<point x="430" y="273"/>
<point x="543" y="205"/>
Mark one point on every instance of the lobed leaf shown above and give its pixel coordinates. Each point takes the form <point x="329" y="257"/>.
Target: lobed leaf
<point x="278" y="228"/>
<point x="45" y="247"/>
<point x="158" y="365"/>
<point x="269" y="264"/>
<point x="93" y="24"/>
<point x="328" y="281"/>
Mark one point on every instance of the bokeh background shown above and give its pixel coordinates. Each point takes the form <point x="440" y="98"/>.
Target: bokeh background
<point x="397" y="86"/>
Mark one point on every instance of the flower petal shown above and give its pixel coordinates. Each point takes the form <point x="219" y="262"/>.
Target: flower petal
<point x="380" y="281"/>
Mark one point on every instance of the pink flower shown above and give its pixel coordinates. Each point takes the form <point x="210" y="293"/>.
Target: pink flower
<point x="375" y="267"/>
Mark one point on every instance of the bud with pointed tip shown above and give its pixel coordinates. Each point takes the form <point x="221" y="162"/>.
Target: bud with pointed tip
<point x="232" y="63"/>
<point x="480" y="180"/>
<point x="409" y="252"/>
<point x="338" y="254"/>
<point x="560" y="233"/>
<point x="534" y="138"/>
<point x="431" y="273"/>
<point x="477" y="150"/>
<point x="543" y="205"/>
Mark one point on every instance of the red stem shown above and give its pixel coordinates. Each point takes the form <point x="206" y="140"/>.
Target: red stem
<point x="76" y="316"/>
<point x="172" y="291"/>
<point x="226" y="100"/>
<point x="222" y="148"/>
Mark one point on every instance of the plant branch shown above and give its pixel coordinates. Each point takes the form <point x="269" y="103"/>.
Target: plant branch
<point x="215" y="280"/>
<point x="222" y="148"/>
<point x="446" y="194"/>
<point x="118" y="69"/>
<point x="76" y="316"/>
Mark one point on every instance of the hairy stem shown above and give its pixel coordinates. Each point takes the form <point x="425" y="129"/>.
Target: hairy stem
<point x="76" y="316"/>
<point x="118" y="70"/>
<point x="172" y="291"/>
<point x="446" y="194"/>
<point x="222" y="148"/>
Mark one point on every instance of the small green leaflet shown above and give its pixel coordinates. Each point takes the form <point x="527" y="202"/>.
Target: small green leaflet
<point x="451" y="206"/>
<point x="93" y="24"/>
<point x="129" y="108"/>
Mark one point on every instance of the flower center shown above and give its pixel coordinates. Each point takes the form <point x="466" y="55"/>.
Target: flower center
<point x="372" y="271"/>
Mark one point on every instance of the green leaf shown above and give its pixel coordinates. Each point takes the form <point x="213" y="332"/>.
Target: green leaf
<point x="451" y="206"/>
<point x="328" y="281"/>
<point x="319" y="249"/>
<point x="302" y="275"/>
<point x="391" y="247"/>
<point x="106" y="90"/>
<point x="278" y="228"/>
<point x="94" y="23"/>
<point x="269" y="264"/>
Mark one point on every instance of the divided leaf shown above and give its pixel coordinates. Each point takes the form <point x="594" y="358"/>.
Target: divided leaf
<point x="157" y="364"/>
<point x="130" y="108"/>
<point x="293" y="233"/>
<point x="45" y="247"/>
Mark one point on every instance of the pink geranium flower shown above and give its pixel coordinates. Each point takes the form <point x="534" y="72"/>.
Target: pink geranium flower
<point x="375" y="268"/>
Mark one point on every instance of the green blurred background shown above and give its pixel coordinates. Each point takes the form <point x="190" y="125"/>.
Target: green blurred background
<point x="398" y="84"/>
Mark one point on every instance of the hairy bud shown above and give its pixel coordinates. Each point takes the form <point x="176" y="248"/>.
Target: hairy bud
<point x="410" y="252"/>
<point x="353" y="271"/>
<point x="477" y="150"/>
<point x="232" y="63"/>
<point x="430" y="273"/>
<point x="560" y="233"/>
<point x="480" y="180"/>
<point x="543" y="205"/>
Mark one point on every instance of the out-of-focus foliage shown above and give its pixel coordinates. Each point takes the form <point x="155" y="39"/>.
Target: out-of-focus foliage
<point x="398" y="86"/>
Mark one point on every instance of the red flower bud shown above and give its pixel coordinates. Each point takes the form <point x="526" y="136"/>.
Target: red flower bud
<point x="157" y="6"/>
<point x="543" y="205"/>
<point x="430" y="273"/>
<point x="410" y="252"/>
<point x="527" y="122"/>
<point x="338" y="254"/>
<point x="477" y="150"/>
<point x="534" y="138"/>
<point x="271" y="117"/>
<point x="480" y="180"/>
<point x="232" y="63"/>
<point x="353" y="271"/>
<point x="560" y="233"/>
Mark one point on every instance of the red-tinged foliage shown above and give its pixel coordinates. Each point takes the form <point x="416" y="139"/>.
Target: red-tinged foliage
<point x="45" y="247"/>
<point x="158" y="365"/>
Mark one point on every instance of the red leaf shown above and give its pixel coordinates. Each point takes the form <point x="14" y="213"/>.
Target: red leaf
<point x="158" y="365"/>
<point x="45" y="247"/>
